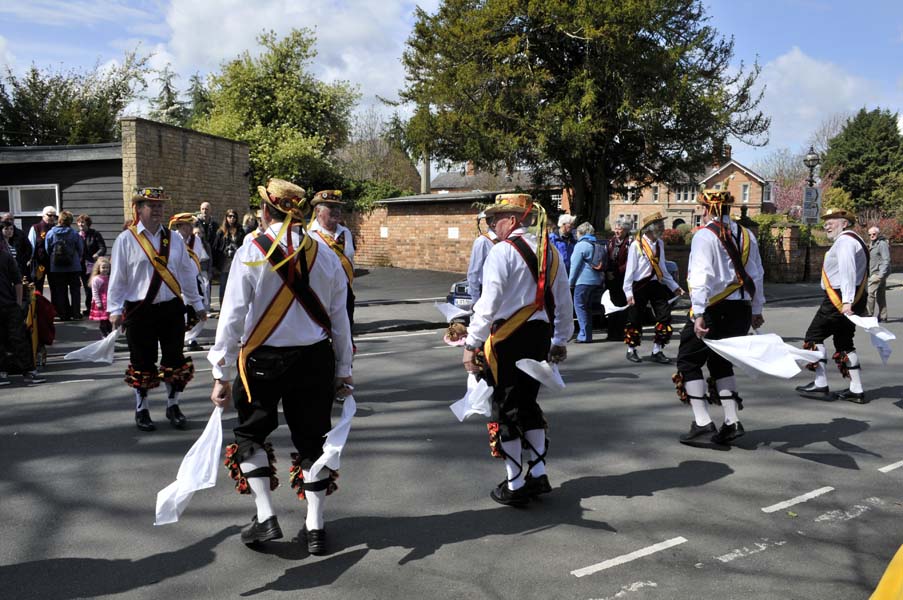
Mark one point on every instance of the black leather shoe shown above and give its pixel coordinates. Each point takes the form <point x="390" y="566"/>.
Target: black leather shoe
<point x="697" y="431"/>
<point x="537" y="485"/>
<point x="660" y="358"/>
<point x="32" y="378"/>
<point x="143" y="421"/>
<point x="193" y="346"/>
<point x="856" y="398"/>
<point x="176" y="418"/>
<point x="728" y="433"/>
<point x="316" y="541"/>
<point x="632" y="356"/>
<point x="811" y="388"/>
<point x="255" y="532"/>
<point x="503" y="495"/>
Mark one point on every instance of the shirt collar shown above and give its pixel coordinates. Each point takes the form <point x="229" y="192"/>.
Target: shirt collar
<point x="141" y="228"/>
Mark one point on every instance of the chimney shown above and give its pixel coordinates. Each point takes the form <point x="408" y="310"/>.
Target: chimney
<point x="717" y="153"/>
<point x="425" y="187"/>
<point x="727" y="153"/>
<point x="468" y="169"/>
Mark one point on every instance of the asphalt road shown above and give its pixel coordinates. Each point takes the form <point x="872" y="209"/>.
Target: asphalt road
<point x="633" y="515"/>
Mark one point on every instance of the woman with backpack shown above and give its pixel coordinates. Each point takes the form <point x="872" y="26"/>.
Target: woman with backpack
<point x="588" y="261"/>
<point x="65" y="248"/>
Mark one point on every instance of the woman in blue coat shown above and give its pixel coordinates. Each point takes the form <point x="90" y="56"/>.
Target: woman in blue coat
<point x="586" y="281"/>
<point x="65" y="248"/>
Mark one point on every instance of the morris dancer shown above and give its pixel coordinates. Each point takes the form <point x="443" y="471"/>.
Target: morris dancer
<point x="646" y="280"/>
<point x="844" y="277"/>
<point x="285" y="300"/>
<point x="184" y="224"/>
<point x="325" y="228"/>
<point x="525" y="311"/>
<point x="726" y="292"/>
<point x="482" y="244"/>
<point x="151" y="272"/>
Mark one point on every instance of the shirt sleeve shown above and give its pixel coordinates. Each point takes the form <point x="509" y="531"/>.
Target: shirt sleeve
<point x="341" y="326"/>
<point x="563" y="328"/>
<point x="700" y="271"/>
<point x="119" y="276"/>
<point x="349" y="245"/>
<point x="233" y="313"/>
<point x="846" y="263"/>
<point x="478" y="254"/>
<point x="631" y="267"/>
<point x="667" y="279"/>
<point x="755" y="270"/>
<point x="495" y="271"/>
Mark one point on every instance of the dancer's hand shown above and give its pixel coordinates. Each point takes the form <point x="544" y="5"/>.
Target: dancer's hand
<point x="757" y="321"/>
<point x="558" y="354"/>
<point x="846" y="308"/>
<point x="469" y="364"/>
<point x="116" y="320"/>
<point x="344" y="387"/>
<point x="699" y="327"/>
<point x="222" y="393"/>
<point x="630" y="301"/>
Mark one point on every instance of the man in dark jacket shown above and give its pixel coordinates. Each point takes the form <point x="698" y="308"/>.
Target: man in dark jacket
<point x="617" y="265"/>
<point x="15" y="349"/>
<point x="17" y="242"/>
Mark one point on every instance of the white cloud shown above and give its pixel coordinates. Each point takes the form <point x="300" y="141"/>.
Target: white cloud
<point x="6" y="57"/>
<point x="66" y="12"/>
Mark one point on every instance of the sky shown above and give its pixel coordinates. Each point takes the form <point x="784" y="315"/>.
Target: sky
<point x="819" y="58"/>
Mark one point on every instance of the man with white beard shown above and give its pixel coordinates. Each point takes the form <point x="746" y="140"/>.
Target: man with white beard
<point x="844" y="279"/>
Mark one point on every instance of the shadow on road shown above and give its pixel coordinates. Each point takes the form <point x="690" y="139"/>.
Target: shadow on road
<point x="313" y="574"/>
<point x="67" y="578"/>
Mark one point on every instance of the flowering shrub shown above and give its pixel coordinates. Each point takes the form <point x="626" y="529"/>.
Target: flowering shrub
<point x="673" y="237"/>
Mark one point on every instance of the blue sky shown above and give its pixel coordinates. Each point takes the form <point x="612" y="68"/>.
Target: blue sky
<point x="819" y="57"/>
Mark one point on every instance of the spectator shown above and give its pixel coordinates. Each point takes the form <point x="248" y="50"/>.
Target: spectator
<point x="16" y="242"/>
<point x="207" y="223"/>
<point x="618" y="247"/>
<point x="65" y="250"/>
<point x="564" y="239"/>
<point x="228" y="239"/>
<point x="100" y="279"/>
<point x="879" y="270"/>
<point x="206" y="266"/>
<point x="586" y="281"/>
<point x="95" y="247"/>
<point x="40" y="261"/>
<point x="249" y="222"/>
<point x="16" y="354"/>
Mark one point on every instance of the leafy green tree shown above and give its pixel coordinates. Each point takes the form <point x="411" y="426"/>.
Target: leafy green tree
<point x="199" y="100"/>
<point x="43" y="107"/>
<point x="836" y="197"/>
<point x="292" y="122"/>
<point x="865" y="153"/>
<point x="166" y="106"/>
<point x="889" y="194"/>
<point x="601" y="91"/>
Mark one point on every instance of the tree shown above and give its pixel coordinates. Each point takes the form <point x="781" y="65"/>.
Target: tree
<point x="787" y="174"/>
<point x="867" y="150"/>
<point x="375" y="154"/>
<point x="602" y="91"/>
<point x="44" y="107"/>
<point x="292" y="122"/>
<point x="199" y="100"/>
<point x="166" y="106"/>
<point x="828" y="129"/>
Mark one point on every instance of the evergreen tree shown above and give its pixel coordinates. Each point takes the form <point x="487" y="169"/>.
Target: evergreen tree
<point x="166" y="106"/>
<point x="199" y="100"/>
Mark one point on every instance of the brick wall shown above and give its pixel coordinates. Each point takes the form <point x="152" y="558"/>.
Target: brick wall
<point x="416" y="235"/>
<point x="192" y="167"/>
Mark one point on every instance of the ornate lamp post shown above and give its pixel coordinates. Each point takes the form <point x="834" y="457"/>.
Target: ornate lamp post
<point x="811" y="161"/>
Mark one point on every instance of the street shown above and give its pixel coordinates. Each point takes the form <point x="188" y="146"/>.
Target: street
<point x="806" y="505"/>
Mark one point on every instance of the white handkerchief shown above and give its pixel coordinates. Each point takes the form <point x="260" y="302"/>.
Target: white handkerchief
<point x="450" y="311"/>
<point x="197" y="472"/>
<point x="758" y="354"/>
<point x="335" y="440"/>
<point x="609" y="305"/>
<point x="880" y="336"/>
<point x="475" y="401"/>
<point x="543" y="372"/>
<point x="100" y="351"/>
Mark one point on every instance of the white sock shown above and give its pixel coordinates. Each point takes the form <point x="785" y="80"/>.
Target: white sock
<point x="855" y="374"/>
<point x="726" y="387"/>
<point x="315" y="501"/>
<point x="172" y="396"/>
<point x="821" y="375"/>
<point x="537" y="438"/>
<point x="260" y="486"/>
<point x="656" y="348"/>
<point x="700" y="407"/>
<point x="515" y="474"/>
<point x="140" y="400"/>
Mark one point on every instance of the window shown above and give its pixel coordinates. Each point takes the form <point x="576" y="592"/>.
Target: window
<point x="744" y="192"/>
<point x="631" y="194"/>
<point x="633" y="219"/>
<point x="717" y="186"/>
<point x="655" y="193"/>
<point x="556" y="201"/>
<point x="697" y="220"/>
<point x="28" y="201"/>
<point x="766" y="193"/>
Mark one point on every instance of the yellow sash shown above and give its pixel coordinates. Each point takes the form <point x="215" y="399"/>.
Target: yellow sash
<point x="272" y="316"/>
<point x="340" y="252"/>
<point x="653" y="260"/>
<point x="514" y="323"/>
<point x="192" y="253"/>
<point x="157" y="261"/>
<point x="835" y="298"/>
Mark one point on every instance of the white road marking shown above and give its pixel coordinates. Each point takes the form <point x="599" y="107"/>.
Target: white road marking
<point x="857" y="510"/>
<point x="378" y="353"/>
<point x="745" y="551"/>
<point x="891" y="467"/>
<point x="75" y="381"/>
<point x="633" y="587"/>
<point x="626" y="558"/>
<point x="391" y="337"/>
<point x="797" y="500"/>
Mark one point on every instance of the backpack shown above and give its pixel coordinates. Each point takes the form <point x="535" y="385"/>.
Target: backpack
<point x="61" y="255"/>
<point x="599" y="261"/>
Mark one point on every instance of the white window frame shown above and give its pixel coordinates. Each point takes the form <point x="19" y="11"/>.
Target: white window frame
<point x="744" y="192"/>
<point x="15" y="202"/>
<point x="766" y="193"/>
<point x="556" y="201"/>
<point x="655" y="193"/>
<point x="697" y="221"/>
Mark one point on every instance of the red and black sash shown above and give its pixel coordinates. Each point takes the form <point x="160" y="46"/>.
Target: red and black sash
<point x="734" y="254"/>
<point x="300" y="286"/>
<point x="160" y="259"/>
<point x="529" y="257"/>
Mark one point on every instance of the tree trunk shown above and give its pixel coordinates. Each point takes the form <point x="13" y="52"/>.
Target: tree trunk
<point x="599" y="197"/>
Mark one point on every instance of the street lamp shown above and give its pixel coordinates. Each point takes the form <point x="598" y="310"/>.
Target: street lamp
<point x="811" y="161"/>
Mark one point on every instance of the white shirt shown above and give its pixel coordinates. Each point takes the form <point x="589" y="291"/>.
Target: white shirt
<point x="198" y="247"/>
<point x="508" y="286"/>
<point x="131" y="271"/>
<point x="478" y="253"/>
<point x="710" y="270"/>
<point x="339" y="230"/>
<point x="845" y="265"/>
<point x="640" y="267"/>
<point x="250" y="291"/>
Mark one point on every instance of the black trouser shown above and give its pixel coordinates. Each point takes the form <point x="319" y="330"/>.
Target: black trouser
<point x="828" y="321"/>
<point x="153" y="324"/>
<point x="349" y="306"/>
<point x="307" y="391"/>
<point x="16" y="353"/>
<point x="615" y="321"/>
<point x="65" y="293"/>
<point x="728" y="318"/>
<point x="657" y="294"/>
<point x="514" y="405"/>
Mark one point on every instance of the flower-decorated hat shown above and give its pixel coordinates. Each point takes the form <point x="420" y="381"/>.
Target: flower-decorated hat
<point x="285" y="196"/>
<point x="653" y="218"/>
<point x="510" y="203"/>
<point x="149" y="194"/>
<point x="333" y="197"/>
<point x="839" y="213"/>
<point x="182" y="219"/>
<point x="715" y="197"/>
